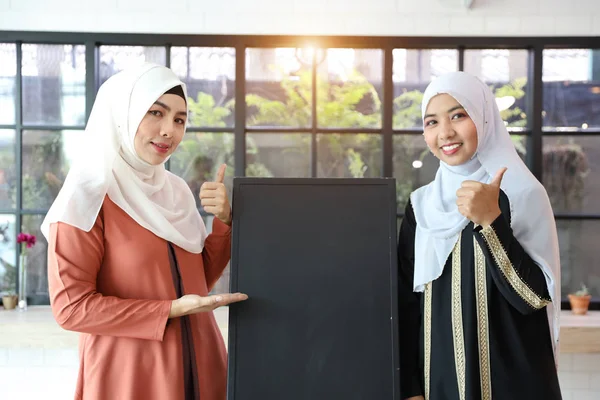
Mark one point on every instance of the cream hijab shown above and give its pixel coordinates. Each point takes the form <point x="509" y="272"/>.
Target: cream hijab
<point x="439" y="223"/>
<point x="107" y="164"/>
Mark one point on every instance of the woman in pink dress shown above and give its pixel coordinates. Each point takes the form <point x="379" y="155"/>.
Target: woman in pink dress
<point x="130" y="264"/>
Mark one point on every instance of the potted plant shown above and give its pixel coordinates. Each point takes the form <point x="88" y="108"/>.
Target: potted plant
<point x="9" y="282"/>
<point x="9" y="300"/>
<point x="580" y="300"/>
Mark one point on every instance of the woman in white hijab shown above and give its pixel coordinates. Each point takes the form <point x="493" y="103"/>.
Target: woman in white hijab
<point x="478" y="261"/>
<point x="130" y="264"/>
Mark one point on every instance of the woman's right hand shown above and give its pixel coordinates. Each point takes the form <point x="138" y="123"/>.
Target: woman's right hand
<point x="192" y="303"/>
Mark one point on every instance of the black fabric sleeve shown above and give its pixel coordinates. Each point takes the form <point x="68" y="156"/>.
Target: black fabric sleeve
<point x="519" y="279"/>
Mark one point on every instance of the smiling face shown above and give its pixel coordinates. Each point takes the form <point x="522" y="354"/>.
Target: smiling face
<point x="449" y="131"/>
<point x="161" y="129"/>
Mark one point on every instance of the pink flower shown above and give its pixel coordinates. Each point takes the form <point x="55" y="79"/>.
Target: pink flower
<point x="31" y="241"/>
<point x="24" y="238"/>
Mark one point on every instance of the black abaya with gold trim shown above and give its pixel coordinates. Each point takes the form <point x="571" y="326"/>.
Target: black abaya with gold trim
<point x="479" y="331"/>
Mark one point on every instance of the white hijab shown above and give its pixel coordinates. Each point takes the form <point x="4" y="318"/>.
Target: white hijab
<point x="107" y="164"/>
<point x="439" y="223"/>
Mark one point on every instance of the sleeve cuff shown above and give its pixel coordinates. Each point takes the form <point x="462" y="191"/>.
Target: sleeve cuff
<point x="220" y="228"/>
<point x="163" y="320"/>
<point x="502" y="229"/>
<point x="496" y="236"/>
<point x="500" y="226"/>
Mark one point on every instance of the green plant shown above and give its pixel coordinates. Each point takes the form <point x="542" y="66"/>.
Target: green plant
<point x="39" y="190"/>
<point x="293" y="110"/>
<point x="515" y="116"/>
<point x="407" y="108"/>
<point x="338" y="103"/>
<point x="583" y="291"/>
<point x="205" y="112"/>
<point x="218" y="147"/>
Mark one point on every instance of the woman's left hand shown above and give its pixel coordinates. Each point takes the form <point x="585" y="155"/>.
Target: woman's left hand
<point x="479" y="201"/>
<point x="213" y="197"/>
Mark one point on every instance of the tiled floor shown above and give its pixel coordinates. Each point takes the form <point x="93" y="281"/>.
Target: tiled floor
<point x="39" y="360"/>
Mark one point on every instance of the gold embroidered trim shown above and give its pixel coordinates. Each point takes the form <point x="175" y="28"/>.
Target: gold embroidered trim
<point x="508" y="270"/>
<point x="427" y="342"/>
<point x="482" y="322"/>
<point x="457" y="321"/>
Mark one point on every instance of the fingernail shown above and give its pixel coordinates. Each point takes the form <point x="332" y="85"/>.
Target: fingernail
<point x="219" y="298"/>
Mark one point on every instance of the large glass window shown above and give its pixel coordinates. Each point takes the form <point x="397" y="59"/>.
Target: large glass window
<point x="8" y="269"/>
<point x="505" y="71"/>
<point x="36" y="148"/>
<point x="278" y="155"/>
<point x="8" y="170"/>
<point x="53" y="84"/>
<point x="46" y="156"/>
<point x="571" y="89"/>
<point x="8" y="72"/>
<point x="309" y="110"/>
<point x="115" y="58"/>
<point x="209" y="75"/>
<point x="349" y="89"/>
<point x="571" y="157"/>
<point x="279" y="87"/>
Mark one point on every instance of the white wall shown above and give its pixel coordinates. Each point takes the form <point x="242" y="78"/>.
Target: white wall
<point x="319" y="17"/>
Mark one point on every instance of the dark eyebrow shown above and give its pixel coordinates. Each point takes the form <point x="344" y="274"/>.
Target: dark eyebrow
<point x="166" y="107"/>
<point x="459" y="107"/>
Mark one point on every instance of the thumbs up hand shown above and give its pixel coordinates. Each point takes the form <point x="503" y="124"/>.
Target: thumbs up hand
<point x="479" y="201"/>
<point x="213" y="197"/>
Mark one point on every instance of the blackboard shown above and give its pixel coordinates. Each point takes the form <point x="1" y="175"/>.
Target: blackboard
<point x="317" y="258"/>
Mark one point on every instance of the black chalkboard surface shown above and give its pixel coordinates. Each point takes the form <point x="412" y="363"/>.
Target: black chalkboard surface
<point x="317" y="258"/>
